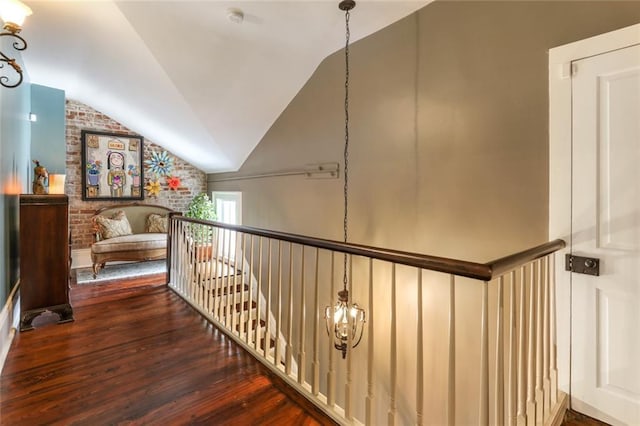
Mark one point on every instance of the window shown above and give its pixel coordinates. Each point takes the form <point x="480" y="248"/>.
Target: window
<point x="228" y="207"/>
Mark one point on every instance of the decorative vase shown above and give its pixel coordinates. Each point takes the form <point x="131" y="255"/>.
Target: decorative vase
<point x="93" y="179"/>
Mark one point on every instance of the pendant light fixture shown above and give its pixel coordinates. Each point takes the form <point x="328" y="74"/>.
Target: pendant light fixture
<point x="345" y="320"/>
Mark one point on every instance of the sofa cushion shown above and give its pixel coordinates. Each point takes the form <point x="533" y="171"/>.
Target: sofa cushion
<point x="115" y="226"/>
<point x="135" y="242"/>
<point x="157" y="223"/>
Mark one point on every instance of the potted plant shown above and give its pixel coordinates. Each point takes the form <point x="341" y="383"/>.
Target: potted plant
<point x="201" y="207"/>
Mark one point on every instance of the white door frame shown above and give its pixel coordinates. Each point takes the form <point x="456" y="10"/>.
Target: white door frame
<point x="560" y="60"/>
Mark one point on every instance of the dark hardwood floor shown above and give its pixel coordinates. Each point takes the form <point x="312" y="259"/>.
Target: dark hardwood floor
<point x="573" y="418"/>
<point x="137" y="354"/>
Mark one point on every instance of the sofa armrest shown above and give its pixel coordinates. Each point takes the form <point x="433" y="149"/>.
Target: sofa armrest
<point x="97" y="236"/>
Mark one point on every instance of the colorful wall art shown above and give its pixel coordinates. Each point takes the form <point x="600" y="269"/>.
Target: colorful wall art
<point x="112" y="166"/>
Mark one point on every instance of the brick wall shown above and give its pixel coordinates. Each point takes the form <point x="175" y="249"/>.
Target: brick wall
<point x="82" y="117"/>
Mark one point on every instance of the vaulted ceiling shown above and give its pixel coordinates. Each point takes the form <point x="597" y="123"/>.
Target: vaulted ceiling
<point x="184" y="75"/>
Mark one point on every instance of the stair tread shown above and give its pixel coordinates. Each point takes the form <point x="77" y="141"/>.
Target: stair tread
<point x="239" y="307"/>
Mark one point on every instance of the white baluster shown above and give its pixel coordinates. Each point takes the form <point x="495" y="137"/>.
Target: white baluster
<point x="276" y="359"/>
<point x="219" y="237"/>
<point x="331" y="375"/>
<point x="244" y="327"/>
<point x="197" y="278"/>
<point x="484" y="357"/>
<point x="186" y="258"/>
<point x="522" y="354"/>
<point x="197" y="282"/>
<point x="267" y="312"/>
<point x="552" y="326"/>
<point x="393" y="347"/>
<point x="539" y="345"/>
<point x="209" y="278"/>
<point x="178" y="254"/>
<point x="181" y="255"/>
<point x="249" y="335"/>
<point x="289" y="351"/>
<point x="512" y="357"/>
<point x="451" y="386"/>
<point x="302" y="357"/>
<point x="217" y="273"/>
<point x="370" y="353"/>
<point x="531" y="352"/>
<point x="185" y="261"/>
<point x="230" y="309"/>
<point x="197" y="288"/>
<point x="315" y="384"/>
<point x="546" y="380"/>
<point x="419" y="356"/>
<point x="202" y="281"/>
<point x="235" y="327"/>
<point x="192" y="265"/>
<point x="348" y="408"/>
<point x="258" y="327"/>
<point x="499" y="373"/>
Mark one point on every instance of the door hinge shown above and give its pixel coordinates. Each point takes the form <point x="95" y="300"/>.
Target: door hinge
<point x="582" y="265"/>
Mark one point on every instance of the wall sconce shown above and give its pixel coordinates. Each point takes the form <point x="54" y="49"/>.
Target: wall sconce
<point x="56" y="184"/>
<point x="13" y="13"/>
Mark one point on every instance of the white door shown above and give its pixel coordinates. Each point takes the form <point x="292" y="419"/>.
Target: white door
<point x="605" y="310"/>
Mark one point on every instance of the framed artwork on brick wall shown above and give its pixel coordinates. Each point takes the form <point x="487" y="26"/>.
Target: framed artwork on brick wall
<point x="112" y="167"/>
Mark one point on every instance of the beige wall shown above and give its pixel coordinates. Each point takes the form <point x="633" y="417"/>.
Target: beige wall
<point x="449" y="156"/>
<point x="449" y="131"/>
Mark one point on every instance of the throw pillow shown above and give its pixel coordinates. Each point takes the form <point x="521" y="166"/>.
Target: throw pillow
<point x="157" y="223"/>
<point x="115" y="226"/>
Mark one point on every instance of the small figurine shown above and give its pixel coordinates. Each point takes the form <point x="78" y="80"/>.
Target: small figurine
<point x="40" y="179"/>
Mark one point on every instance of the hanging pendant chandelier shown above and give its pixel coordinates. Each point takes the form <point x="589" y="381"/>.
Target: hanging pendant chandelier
<point x="345" y="320"/>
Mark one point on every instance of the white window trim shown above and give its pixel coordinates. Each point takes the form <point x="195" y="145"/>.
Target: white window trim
<point x="230" y="196"/>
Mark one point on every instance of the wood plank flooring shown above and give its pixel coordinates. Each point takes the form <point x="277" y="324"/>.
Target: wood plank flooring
<point x="573" y="418"/>
<point x="137" y="354"/>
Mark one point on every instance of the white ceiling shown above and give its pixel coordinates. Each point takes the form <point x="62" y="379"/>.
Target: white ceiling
<point x="184" y="76"/>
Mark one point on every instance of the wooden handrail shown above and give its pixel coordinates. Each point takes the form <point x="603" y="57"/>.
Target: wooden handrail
<point x="478" y="271"/>
<point x="508" y="263"/>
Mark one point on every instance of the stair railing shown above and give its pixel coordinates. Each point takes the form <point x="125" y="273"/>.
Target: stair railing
<point x="446" y="341"/>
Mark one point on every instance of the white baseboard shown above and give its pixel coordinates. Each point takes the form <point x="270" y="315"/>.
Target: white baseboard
<point x="556" y="416"/>
<point x="9" y="318"/>
<point x="81" y="258"/>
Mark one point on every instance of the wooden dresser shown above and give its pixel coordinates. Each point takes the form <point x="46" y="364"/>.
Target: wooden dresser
<point x="44" y="258"/>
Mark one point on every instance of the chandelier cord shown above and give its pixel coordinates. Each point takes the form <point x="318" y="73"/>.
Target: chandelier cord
<point x="346" y="139"/>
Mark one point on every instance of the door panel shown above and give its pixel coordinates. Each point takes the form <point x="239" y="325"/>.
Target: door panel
<point x="615" y="360"/>
<point x="605" y="371"/>
<point x="619" y="143"/>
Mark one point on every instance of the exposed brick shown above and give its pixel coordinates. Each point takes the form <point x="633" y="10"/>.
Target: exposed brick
<point x="82" y="117"/>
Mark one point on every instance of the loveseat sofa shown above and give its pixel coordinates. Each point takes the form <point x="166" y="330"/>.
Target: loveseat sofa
<point x="129" y="232"/>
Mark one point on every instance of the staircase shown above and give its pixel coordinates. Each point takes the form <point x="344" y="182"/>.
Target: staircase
<point x="229" y="297"/>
